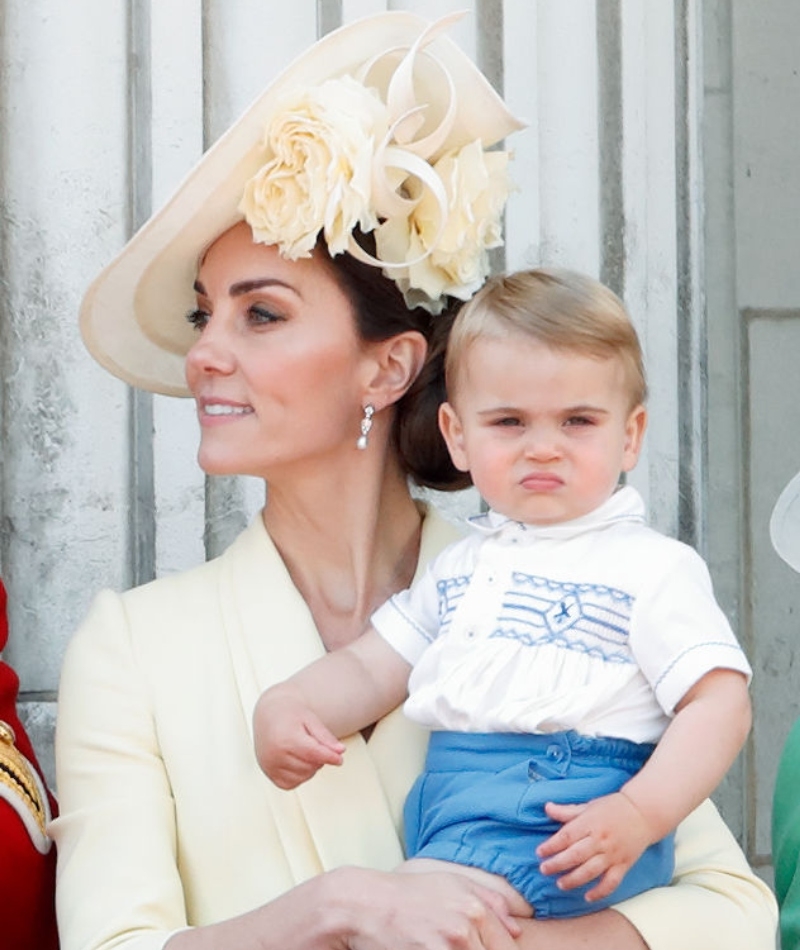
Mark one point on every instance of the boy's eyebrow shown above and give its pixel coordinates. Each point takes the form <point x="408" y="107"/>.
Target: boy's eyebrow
<point x="492" y="410"/>
<point x="597" y="410"/>
<point x="566" y="410"/>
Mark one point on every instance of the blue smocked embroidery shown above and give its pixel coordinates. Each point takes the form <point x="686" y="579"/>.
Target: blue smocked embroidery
<point x="451" y="590"/>
<point x="588" y="618"/>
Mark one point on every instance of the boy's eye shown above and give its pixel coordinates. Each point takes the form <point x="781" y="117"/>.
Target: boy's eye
<point x="505" y="421"/>
<point x="197" y="318"/>
<point x="579" y="421"/>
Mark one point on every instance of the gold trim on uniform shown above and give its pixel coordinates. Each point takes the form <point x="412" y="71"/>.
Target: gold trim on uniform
<point x="17" y="774"/>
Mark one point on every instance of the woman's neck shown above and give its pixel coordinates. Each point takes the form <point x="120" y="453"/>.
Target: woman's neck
<point x="347" y="546"/>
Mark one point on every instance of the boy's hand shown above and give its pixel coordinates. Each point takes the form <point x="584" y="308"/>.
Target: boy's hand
<point x="292" y="743"/>
<point x="601" y="839"/>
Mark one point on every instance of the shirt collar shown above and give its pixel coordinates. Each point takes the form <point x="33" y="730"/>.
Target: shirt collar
<point x="626" y="504"/>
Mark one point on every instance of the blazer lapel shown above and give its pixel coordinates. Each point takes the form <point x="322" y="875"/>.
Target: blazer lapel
<point x="271" y="635"/>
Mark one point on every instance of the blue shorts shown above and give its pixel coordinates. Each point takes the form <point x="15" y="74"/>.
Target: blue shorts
<point x="480" y="802"/>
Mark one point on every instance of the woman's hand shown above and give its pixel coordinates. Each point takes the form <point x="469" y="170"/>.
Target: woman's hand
<point x="356" y="909"/>
<point x="422" y="911"/>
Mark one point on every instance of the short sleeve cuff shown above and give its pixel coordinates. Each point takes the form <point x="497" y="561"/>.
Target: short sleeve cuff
<point x="691" y="665"/>
<point x="399" y="630"/>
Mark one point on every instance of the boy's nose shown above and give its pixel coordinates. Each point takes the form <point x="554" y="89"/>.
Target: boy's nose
<point x="542" y="444"/>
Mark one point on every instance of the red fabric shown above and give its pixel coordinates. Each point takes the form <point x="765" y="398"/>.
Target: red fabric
<point x="27" y="878"/>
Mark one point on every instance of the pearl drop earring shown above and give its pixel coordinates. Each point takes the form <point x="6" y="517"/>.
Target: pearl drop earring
<point x="366" y="425"/>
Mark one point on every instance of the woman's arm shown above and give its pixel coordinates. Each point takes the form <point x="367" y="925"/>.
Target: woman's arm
<point x="358" y="909"/>
<point x="117" y="881"/>
<point x="714" y="903"/>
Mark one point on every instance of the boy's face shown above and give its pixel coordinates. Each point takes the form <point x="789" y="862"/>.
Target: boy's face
<point x="545" y="433"/>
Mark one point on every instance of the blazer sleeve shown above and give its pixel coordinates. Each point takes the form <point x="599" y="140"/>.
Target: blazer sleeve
<point x="116" y="836"/>
<point x="715" y="901"/>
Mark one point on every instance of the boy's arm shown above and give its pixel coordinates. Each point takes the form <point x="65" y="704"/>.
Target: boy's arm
<point x="603" y="838"/>
<point x="297" y="723"/>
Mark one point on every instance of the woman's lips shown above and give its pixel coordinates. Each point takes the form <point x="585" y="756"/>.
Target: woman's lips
<point x="211" y="411"/>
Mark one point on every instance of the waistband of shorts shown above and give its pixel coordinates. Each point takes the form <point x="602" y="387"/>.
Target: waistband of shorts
<point x="499" y="750"/>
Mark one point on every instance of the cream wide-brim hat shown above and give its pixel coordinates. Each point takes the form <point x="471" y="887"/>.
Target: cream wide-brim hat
<point x="132" y="317"/>
<point x="784" y="524"/>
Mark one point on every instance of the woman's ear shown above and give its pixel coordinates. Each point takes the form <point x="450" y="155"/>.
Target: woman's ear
<point x="397" y="363"/>
<point x="453" y="433"/>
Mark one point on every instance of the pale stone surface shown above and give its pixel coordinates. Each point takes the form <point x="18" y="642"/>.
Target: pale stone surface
<point x="39" y="720"/>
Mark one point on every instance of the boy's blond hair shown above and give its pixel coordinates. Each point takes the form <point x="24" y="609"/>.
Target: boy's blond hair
<point x="562" y="309"/>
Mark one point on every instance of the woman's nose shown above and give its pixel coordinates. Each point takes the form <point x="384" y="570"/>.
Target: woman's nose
<point x="211" y="352"/>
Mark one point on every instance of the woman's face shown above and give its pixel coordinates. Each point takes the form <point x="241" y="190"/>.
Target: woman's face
<point x="278" y="370"/>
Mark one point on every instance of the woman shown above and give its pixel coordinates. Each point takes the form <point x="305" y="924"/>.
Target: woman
<point x="27" y="859"/>
<point x="313" y="370"/>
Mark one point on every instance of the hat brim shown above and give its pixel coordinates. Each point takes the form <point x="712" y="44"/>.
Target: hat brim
<point x="784" y="524"/>
<point x="132" y="316"/>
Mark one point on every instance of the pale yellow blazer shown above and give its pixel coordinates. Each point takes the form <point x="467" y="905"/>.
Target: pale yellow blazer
<point x="166" y="820"/>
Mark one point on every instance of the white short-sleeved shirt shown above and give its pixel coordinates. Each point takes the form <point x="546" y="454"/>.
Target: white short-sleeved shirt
<point x="600" y="624"/>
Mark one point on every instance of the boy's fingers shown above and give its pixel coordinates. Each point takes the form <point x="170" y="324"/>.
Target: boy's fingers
<point x="584" y="873"/>
<point x="312" y="753"/>
<point x="609" y="882"/>
<point x="558" y="842"/>
<point x="568" y="834"/>
<point x="564" y="813"/>
<point x="567" y="859"/>
<point x="319" y="731"/>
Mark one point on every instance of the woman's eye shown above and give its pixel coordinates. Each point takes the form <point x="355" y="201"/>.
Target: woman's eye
<point x="197" y="318"/>
<point x="259" y="315"/>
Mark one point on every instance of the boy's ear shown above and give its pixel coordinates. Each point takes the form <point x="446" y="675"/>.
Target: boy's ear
<point x="453" y="432"/>
<point x="634" y="435"/>
<point x="397" y="363"/>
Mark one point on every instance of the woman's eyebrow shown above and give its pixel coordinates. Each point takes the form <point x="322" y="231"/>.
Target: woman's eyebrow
<point x="246" y="286"/>
<point x="242" y="287"/>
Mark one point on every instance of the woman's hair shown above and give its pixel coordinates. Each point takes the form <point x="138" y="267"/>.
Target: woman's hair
<point x="562" y="309"/>
<point x="380" y="313"/>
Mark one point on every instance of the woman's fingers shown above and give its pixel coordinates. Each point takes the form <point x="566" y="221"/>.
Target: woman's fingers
<point x="435" y="911"/>
<point x="494" y="933"/>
